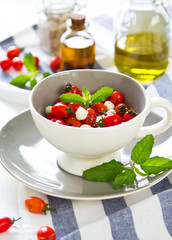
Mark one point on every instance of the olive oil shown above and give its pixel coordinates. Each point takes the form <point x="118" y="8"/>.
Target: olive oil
<point x="77" y="48"/>
<point x="143" y="56"/>
<point x="77" y="53"/>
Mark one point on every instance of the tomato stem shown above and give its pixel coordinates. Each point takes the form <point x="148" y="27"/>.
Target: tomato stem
<point x="48" y="207"/>
<point x="68" y="86"/>
<point x="14" y="220"/>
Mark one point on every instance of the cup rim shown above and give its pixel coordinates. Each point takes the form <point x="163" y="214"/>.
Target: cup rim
<point x="32" y="108"/>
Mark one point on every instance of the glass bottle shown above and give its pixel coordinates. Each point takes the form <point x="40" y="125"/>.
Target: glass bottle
<point x="142" y="41"/>
<point x="52" y="16"/>
<point x="77" y="49"/>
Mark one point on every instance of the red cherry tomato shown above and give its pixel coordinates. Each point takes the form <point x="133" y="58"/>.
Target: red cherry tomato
<point x="55" y="63"/>
<point x="72" y="121"/>
<point x="72" y="89"/>
<point x="99" y="108"/>
<point x="112" y="119"/>
<point x="129" y="115"/>
<point x="37" y="205"/>
<point x="73" y="108"/>
<point x="58" y="120"/>
<point x="116" y="98"/>
<point x="60" y="101"/>
<point x="6" y="223"/>
<point x="12" y="52"/>
<point x="6" y="64"/>
<point x="59" y="110"/>
<point x="46" y="233"/>
<point x="91" y="117"/>
<point x="36" y="61"/>
<point x="50" y="116"/>
<point x="121" y="109"/>
<point x="17" y="63"/>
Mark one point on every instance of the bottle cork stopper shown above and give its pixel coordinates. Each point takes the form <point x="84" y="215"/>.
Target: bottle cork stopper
<point x="77" y="19"/>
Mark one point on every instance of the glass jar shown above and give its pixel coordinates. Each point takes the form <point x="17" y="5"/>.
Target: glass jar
<point x="77" y="48"/>
<point x="52" y="16"/>
<point x="142" y="40"/>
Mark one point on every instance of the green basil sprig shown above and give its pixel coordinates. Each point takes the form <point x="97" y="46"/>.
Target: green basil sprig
<point x="22" y="79"/>
<point x="122" y="174"/>
<point x="87" y="98"/>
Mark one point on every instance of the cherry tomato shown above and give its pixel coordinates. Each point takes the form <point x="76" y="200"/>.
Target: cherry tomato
<point x="73" y="108"/>
<point x="59" y="110"/>
<point x="99" y="108"/>
<point x="6" y="64"/>
<point x="121" y="109"/>
<point x="50" y="116"/>
<point x="58" y="120"/>
<point x="72" y="89"/>
<point x="60" y="101"/>
<point x="72" y="121"/>
<point x="55" y="63"/>
<point x="36" y="61"/>
<point x="129" y="115"/>
<point x="116" y="98"/>
<point x="37" y="205"/>
<point x="17" y="63"/>
<point x="6" y="223"/>
<point x="91" y="117"/>
<point x="112" y="119"/>
<point x="46" y="233"/>
<point x="12" y="52"/>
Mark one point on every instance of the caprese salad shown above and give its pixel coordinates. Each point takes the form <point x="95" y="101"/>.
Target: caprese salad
<point x="80" y="108"/>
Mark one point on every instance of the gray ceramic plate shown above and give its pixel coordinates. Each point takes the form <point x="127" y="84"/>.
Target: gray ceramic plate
<point x="33" y="161"/>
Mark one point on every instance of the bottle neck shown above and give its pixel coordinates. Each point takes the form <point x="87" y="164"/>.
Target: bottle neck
<point x="76" y="27"/>
<point x="143" y="4"/>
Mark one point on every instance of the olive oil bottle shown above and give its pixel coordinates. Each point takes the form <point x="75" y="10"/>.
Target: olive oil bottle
<point x="77" y="49"/>
<point x="142" y="42"/>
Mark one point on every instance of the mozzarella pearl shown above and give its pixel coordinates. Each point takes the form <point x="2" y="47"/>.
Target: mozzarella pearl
<point x="81" y="113"/>
<point x="85" y="126"/>
<point x="48" y="109"/>
<point x="109" y="105"/>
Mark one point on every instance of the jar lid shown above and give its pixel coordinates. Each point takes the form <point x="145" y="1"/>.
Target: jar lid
<point x="59" y="6"/>
<point x="77" y="19"/>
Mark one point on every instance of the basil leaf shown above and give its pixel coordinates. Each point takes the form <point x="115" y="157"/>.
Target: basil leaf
<point x="46" y="74"/>
<point x="20" y="81"/>
<point x="33" y="82"/>
<point x="29" y="62"/>
<point x="124" y="178"/>
<point x="72" y="97"/>
<point x="139" y="172"/>
<point x="142" y="149"/>
<point x="105" y="172"/>
<point x="156" y="165"/>
<point x="86" y="93"/>
<point x="86" y="97"/>
<point x="101" y="94"/>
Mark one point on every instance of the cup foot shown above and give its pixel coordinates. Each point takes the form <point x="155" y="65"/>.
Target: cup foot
<point x="76" y="165"/>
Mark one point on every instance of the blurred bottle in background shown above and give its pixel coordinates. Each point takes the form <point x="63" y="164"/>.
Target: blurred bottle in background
<point x="77" y="47"/>
<point x="52" y="16"/>
<point x="142" y="40"/>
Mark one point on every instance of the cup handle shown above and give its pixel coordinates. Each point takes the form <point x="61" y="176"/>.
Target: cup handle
<point x="161" y="126"/>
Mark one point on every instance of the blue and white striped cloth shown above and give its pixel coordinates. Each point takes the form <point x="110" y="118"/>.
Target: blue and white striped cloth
<point x="144" y="215"/>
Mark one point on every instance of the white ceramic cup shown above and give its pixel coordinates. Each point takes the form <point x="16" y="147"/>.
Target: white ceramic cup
<point x="82" y="148"/>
